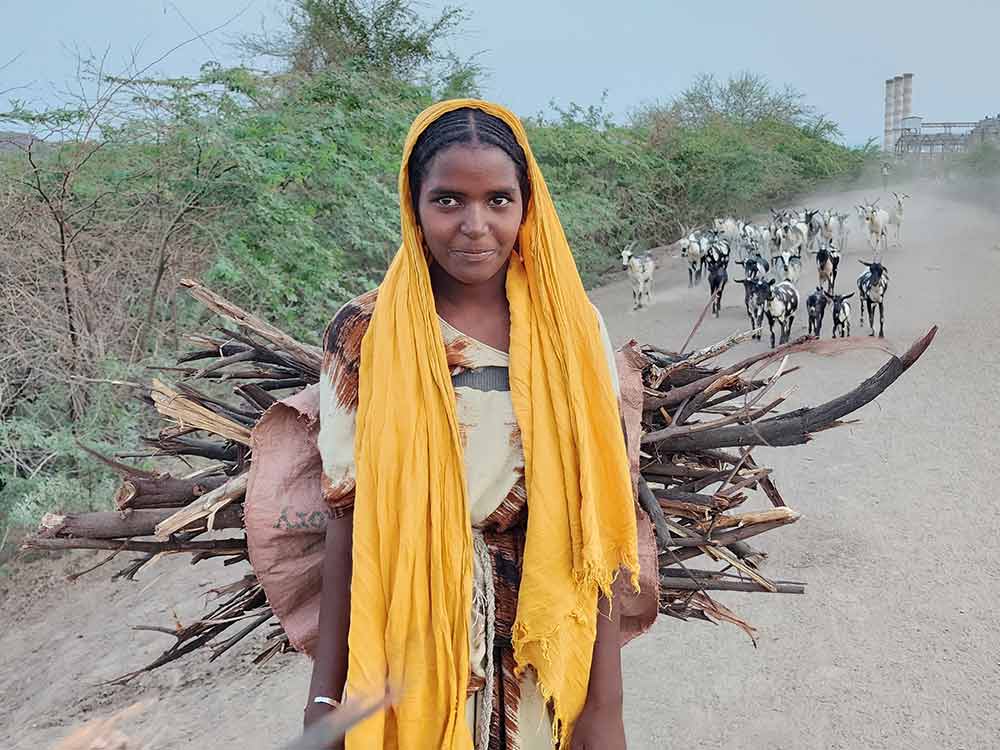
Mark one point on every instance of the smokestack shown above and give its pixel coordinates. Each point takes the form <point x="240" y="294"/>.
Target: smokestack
<point x="897" y="107"/>
<point x="907" y="94"/>
<point x="888" y="142"/>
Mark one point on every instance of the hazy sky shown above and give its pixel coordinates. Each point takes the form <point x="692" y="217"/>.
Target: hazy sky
<point x="839" y="52"/>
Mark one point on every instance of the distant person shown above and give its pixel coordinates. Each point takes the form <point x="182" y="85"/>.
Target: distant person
<point x="885" y="176"/>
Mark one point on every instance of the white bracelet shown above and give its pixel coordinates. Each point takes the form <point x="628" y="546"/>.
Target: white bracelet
<point x="326" y="700"/>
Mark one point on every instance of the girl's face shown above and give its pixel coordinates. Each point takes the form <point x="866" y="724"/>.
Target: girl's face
<point x="470" y="209"/>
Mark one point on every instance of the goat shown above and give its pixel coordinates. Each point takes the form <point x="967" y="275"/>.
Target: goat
<point x="826" y="227"/>
<point x="782" y="303"/>
<point x="872" y="286"/>
<point x="816" y="307"/>
<point x="729" y="228"/>
<point x="827" y="261"/>
<point x="719" y="249"/>
<point x="814" y="225"/>
<point x="877" y="221"/>
<point x="843" y="229"/>
<point x="793" y="237"/>
<point x="896" y="217"/>
<point x="717" y="278"/>
<point x="835" y="227"/>
<point x="862" y="214"/>
<point x="755" y="298"/>
<point x="755" y="267"/>
<point x="640" y="273"/>
<point x="788" y="267"/>
<point x="841" y="314"/>
<point x="693" y="246"/>
<point x="750" y="240"/>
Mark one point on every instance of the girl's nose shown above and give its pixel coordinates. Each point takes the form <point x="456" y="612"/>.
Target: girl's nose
<point x="474" y="222"/>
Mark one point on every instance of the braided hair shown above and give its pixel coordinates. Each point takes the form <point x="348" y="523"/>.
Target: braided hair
<point x="466" y="125"/>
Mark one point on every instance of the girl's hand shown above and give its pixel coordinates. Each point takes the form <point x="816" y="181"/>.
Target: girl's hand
<point x="315" y="712"/>
<point x="600" y="727"/>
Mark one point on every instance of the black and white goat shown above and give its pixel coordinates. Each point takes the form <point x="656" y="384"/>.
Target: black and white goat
<point x="694" y="246"/>
<point x="640" y="273"/>
<point x="816" y="307"/>
<point x="755" y="295"/>
<point x="730" y="229"/>
<point x="872" y="286"/>
<point x="896" y="217"/>
<point x="788" y="267"/>
<point x="719" y="248"/>
<point x="755" y="267"/>
<point x="841" y="315"/>
<point x="718" y="275"/>
<point x="827" y="262"/>
<point x="782" y="304"/>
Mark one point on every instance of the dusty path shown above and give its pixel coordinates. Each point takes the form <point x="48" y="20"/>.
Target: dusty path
<point x="895" y="644"/>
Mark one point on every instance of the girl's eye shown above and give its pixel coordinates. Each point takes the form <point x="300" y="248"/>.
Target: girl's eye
<point x="499" y="201"/>
<point x="446" y="201"/>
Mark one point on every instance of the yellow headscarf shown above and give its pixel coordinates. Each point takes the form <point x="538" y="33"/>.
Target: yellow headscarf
<point x="411" y="590"/>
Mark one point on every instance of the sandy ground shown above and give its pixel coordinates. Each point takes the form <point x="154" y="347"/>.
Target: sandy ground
<point x="895" y="645"/>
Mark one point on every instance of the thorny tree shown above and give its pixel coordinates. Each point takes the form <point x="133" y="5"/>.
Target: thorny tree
<point x="105" y="201"/>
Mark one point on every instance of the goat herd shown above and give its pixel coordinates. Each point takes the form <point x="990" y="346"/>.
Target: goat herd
<point x="771" y="257"/>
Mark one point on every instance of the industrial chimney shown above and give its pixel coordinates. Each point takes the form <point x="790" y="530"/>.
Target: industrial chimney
<point x="888" y="141"/>
<point x="907" y="95"/>
<point x="897" y="108"/>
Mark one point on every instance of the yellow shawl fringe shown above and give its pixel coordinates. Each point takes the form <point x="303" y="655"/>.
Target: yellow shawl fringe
<point x="412" y="576"/>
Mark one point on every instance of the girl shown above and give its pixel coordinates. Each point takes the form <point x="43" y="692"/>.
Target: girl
<point x="474" y="471"/>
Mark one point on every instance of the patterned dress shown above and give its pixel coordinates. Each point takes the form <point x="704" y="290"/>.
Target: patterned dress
<point x="504" y="712"/>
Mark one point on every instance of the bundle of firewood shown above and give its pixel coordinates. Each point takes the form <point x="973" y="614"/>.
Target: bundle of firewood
<point x="700" y="424"/>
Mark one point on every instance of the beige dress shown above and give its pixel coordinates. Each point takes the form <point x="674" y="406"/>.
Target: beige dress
<point x="504" y="712"/>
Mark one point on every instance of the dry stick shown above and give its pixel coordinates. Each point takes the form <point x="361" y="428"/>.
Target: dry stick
<point x="739" y="535"/>
<point x="695" y="358"/>
<point x="334" y="725"/>
<point x="224" y="349"/>
<point x="205" y="506"/>
<point x="731" y="487"/>
<point x="233" y="359"/>
<point x="129" y="545"/>
<point x="698" y="323"/>
<point x="190" y="413"/>
<point x="270" y="356"/>
<point x="240" y="635"/>
<point x="796" y="427"/>
<point x="256" y="395"/>
<point x="73" y="576"/>
<point x="124" y="469"/>
<point x="717" y="553"/>
<point x="710" y="352"/>
<point x="189" y="446"/>
<point x="209" y="403"/>
<point x="163" y="491"/>
<point x="116" y="524"/>
<point x="309" y="355"/>
<point x="648" y="502"/>
<point x="768" y="486"/>
<point x="742" y="391"/>
<point x="671" y="432"/>
<point x="777" y="587"/>
<point x="677" y="395"/>
<point x="257" y="373"/>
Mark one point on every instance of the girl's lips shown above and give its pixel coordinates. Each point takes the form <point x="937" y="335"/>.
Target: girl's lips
<point x="474" y="255"/>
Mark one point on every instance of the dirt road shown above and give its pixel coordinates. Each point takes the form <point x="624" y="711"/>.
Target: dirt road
<point x="895" y="645"/>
